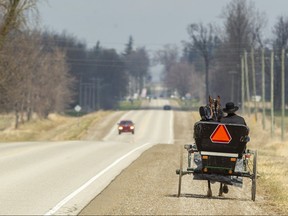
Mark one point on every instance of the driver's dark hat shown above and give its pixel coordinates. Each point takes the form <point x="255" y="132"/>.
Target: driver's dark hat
<point x="230" y="108"/>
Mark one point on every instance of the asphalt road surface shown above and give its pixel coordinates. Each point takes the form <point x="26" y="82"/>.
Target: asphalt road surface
<point x="149" y="185"/>
<point x="46" y="178"/>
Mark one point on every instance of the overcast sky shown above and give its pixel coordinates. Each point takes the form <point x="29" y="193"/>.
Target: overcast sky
<point x="151" y="23"/>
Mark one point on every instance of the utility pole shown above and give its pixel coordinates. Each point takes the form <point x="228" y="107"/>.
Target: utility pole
<point x="98" y="87"/>
<point x="272" y="93"/>
<point x="242" y="85"/>
<point x="247" y="81"/>
<point x="93" y="105"/>
<point x="232" y="84"/>
<point x="80" y="92"/>
<point x="283" y="94"/>
<point x="254" y="82"/>
<point x="263" y="90"/>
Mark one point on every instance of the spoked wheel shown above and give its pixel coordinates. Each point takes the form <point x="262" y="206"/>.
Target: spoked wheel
<point x="254" y="178"/>
<point x="180" y="171"/>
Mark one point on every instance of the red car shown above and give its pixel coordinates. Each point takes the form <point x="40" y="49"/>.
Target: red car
<point x="126" y="126"/>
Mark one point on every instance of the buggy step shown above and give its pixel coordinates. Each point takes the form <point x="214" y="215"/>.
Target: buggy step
<point x="184" y="172"/>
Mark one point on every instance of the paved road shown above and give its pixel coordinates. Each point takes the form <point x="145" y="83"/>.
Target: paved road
<point x="150" y="185"/>
<point x="62" y="177"/>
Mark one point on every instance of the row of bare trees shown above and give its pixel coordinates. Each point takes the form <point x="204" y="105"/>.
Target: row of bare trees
<point x="103" y="76"/>
<point x="137" y="66"/>
<point x="215" y="51"/>
<point x="33" y="79"/>
<point x="44" y="72"/>
<point x="179" y="74"/>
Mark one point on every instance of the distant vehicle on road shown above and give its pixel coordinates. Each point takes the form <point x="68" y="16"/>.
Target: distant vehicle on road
<point x="126" y="126"/>
<point x="167" y="107"/>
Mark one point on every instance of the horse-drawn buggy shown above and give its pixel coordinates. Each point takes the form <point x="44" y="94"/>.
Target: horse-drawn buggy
<point x="220" y="155"/>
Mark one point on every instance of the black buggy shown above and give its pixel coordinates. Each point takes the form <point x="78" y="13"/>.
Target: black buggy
<point x="220" y="155"/>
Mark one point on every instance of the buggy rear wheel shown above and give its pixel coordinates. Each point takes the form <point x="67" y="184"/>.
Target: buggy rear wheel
<point x="254" y="177"/>
<point x="180" y="171"/>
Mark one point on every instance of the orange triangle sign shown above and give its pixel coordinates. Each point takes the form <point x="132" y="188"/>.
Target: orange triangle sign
<point x="221" y="134"/>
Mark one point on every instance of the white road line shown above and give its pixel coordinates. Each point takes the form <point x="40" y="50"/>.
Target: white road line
<point x="73" y="194"/>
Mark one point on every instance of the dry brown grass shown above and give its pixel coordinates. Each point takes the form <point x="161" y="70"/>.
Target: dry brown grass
<point x="56" y="127"/>
<point x="271" y="164"/>
<point x="6" y="121"/>
<point x="272" y="182"/>
<point x="272" y="158"/>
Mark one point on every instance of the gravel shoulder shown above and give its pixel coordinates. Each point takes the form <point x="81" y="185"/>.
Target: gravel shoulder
<point x="149" y="186"/>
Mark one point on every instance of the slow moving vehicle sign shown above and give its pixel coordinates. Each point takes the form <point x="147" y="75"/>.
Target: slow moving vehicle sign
<point x="221" y="135"/>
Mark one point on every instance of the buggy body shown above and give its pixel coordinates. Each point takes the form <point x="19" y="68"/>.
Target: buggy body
<point x="220" y="155"/>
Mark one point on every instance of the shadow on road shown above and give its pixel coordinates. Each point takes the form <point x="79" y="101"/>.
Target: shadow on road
<point x="201" y="196"/>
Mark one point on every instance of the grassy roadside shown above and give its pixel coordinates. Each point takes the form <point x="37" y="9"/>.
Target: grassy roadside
<point x="129" y="105"/>
<point x="272" y="182"/>
<point x="191" y="104"/>
<point x="272" y="152"/>
<point x="53" y="128"/>
<point x="272" y="165"/>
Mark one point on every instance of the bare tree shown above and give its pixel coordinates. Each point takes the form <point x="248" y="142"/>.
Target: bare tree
<point x="32" y="80"/>
<point x="137" y="64"/>
<point x="53" y="84"/>
<point x="243" y="25"/>
<point x="280" y="42"/>
<point x="168" y="56"/>
<point x="15" y="15"/>
<point x="179" y="78"/>
<point x="204" y="40"/>
<point x="13" y="75"/>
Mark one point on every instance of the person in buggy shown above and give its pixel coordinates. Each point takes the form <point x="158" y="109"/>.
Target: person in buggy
<point x="231" y="116"/>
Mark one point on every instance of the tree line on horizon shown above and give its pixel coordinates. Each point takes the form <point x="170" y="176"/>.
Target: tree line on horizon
<point x="210" y="62"/>
<point x="43" y="72"/>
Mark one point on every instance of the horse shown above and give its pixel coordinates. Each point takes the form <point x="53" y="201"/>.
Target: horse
<point x="213" y="112"/>
<point x="215" y="108"/>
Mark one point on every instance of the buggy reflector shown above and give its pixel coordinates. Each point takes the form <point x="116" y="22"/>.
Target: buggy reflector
<point x="223" y="154"/>
<point x="221" y="134"/>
